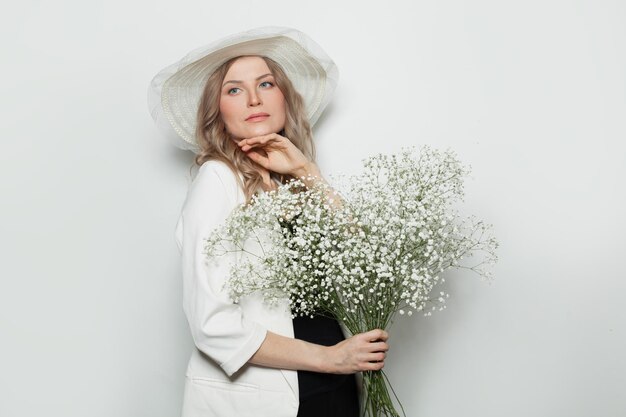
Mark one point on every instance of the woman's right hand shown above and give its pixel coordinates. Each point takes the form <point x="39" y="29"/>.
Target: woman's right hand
<point x="361" y="352"/>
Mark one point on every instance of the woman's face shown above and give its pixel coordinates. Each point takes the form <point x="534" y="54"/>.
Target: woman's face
<point x="248" y="89"/>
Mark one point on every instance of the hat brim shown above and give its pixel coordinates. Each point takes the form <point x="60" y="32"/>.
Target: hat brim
<point x="176" y="90"/>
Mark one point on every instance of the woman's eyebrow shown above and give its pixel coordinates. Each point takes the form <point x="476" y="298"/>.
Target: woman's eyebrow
<point x="239" y="81"/>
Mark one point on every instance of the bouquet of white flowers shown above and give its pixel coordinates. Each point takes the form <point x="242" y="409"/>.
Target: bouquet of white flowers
<point x="372" y="246"/>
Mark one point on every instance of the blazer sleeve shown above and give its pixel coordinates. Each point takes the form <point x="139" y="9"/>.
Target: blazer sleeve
<point x="217" y="325"/>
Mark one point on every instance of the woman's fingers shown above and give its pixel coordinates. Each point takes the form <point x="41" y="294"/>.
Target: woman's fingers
<point x="376" y="335"/>
<point x="379" y="346"/>
<point x="260" y="140"/>
<point x="373" y="366"/>
<point x="361" y="352"/>
<point x="265" y="144"/>
<point x="375" y="357"/>
<point x="376" y="340"/>
<point x="277" y="153"/>
<point x="372" y="362"/>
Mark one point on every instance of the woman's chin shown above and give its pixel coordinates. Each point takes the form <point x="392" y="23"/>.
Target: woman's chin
<point x="259" y="129"/>
<point x="262" y="130"/>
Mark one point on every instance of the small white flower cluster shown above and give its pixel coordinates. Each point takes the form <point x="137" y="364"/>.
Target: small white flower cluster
<point x="382" y="252"/>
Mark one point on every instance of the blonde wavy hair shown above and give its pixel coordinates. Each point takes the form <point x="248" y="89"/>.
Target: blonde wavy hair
<point x="216" y="144"/>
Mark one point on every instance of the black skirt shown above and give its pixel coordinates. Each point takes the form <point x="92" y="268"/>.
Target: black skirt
<point x="322" y="394"/>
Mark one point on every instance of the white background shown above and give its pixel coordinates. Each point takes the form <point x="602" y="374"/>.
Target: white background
<point x="531" y="94"/>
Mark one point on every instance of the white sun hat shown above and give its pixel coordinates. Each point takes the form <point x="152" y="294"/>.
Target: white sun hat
<point x="174" y="93"/>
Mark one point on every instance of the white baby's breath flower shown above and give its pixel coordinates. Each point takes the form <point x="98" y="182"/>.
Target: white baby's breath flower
<point x="382" y="252"/>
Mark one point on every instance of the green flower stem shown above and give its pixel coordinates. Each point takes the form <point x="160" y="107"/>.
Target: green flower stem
<point x="377" y="402"/>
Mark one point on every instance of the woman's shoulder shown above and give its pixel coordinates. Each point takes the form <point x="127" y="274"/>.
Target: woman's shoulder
<point x="214" y="187"/>
<point x="219" y="169"/>
<point x="218" y="166"/>
<point x="216" y="177"/>
<point x="214" y="165"/>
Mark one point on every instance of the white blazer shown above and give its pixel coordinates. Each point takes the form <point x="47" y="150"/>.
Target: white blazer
<point x="219" y="381"/>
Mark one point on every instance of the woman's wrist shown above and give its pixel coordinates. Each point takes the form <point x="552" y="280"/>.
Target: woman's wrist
<point x="309" y="174"/>
<point x="326" y="364"/>
<point x="309" y="168"/>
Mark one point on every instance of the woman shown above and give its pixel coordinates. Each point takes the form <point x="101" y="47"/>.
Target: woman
<point x="251" y="129"/>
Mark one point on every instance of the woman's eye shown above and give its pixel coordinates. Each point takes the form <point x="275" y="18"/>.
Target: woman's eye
<point x="237" y="88"/>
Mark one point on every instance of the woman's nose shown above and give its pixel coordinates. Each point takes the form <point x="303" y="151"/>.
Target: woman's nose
<point x="253" y="99"/>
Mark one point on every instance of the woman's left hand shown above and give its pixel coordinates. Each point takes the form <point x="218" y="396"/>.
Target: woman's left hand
<point x="275" y="153"/>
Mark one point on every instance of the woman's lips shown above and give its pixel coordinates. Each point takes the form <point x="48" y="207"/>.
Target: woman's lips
<point x="257" y="117"/>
